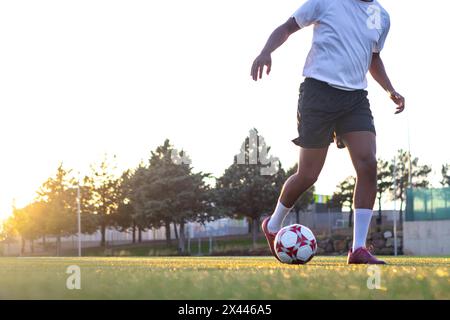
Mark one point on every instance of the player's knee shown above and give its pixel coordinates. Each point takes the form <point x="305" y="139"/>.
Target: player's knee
<point x="308" y="178"/>
<point x="366" y="167"/>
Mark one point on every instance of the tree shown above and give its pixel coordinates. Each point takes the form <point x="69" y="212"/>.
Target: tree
<point x="384" y="183"/>
<point x="343" y="196"/>
<point x="141" y="193"/>
<point x="132" y="213"/>
<point x="8" y="233"/>
<point x="21" y="224"/>
<point x="305" y="200"/>
<point x="27" y="222"/>
<point x="126" y="215"/>
<point x="176" y="193"/>
<point x="251" y="185"/>
<point x="59" y="196"/>
<point x="192" y="203"/>
<point x="445" y="182"/>
<point x="167" y="191"/>
<point x="103" y="186"/>
<point x="36" y="220"/>
<point x="53" y="212"/>
<point x="400" y="171"/>
<point x="445" y="171"/>
<point x="89" y="221"/>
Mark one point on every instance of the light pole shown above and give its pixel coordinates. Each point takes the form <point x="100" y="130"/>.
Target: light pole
<point x="79" y="215"/>
<point x="395" y="206"/>
<point x="409" y="152"/>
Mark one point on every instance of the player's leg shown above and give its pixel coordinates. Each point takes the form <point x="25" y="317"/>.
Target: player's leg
<point x="315" y="129"/>
<point x="310" y="164"/>
<point x="362" y="148"/>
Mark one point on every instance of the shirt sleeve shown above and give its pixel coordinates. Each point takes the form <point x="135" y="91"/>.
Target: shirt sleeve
<point x="309" y="13"/>
<point x="380" y="43"/>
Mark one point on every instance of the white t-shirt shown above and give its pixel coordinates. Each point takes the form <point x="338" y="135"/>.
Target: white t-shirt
<point x="346" y="34"/>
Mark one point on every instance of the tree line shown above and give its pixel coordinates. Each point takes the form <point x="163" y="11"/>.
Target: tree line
<point x="165" y="191"/>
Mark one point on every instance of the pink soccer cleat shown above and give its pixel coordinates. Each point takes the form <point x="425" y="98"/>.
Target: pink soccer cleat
<point x="362" y="256"/>
<point x="269" y="236"/>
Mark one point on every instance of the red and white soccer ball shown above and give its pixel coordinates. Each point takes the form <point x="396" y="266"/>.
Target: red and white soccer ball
<point x="295" y="244"/>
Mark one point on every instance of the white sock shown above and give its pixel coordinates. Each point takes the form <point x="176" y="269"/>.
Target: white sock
<point x="276" y="220"/>
<point x="361" y="227"/>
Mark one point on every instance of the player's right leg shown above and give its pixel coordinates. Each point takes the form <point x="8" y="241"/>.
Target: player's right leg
<point x="315" y="129"/>
<point x="310" y="164"/>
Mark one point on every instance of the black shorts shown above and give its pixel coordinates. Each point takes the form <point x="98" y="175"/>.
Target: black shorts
<point x="325" y="113"/>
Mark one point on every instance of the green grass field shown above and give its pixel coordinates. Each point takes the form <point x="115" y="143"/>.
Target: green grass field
<point x="221" y="278"/>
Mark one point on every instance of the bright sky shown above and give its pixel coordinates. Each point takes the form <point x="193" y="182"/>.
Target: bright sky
<point x="81" y="78"/>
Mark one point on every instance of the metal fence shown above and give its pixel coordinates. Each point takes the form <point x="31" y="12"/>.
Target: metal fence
<point x="330" y="222"/>
<point x="220" y="227"/>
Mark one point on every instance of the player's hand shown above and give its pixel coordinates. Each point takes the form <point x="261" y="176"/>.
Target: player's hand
<point x="399" y="100"/>
<point x="264" y="59"/>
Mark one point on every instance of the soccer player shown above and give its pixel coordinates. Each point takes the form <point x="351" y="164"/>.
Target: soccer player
<point x="333" y="106"/>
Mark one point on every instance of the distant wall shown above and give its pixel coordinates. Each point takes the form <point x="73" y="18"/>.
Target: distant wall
<point x="426" y="237"/>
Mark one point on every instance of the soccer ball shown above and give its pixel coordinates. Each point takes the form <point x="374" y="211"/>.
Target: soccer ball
<point x="295" y="244"/>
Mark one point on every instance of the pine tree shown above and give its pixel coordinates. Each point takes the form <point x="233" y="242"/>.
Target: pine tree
<point x="251" y="185"/>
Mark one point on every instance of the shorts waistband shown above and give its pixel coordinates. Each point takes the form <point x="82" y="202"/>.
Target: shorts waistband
<point x="326" y="85"/>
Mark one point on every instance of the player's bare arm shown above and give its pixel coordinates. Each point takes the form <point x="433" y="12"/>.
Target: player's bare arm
<point x="276" y="39"/>
<point x="378" y="72"/>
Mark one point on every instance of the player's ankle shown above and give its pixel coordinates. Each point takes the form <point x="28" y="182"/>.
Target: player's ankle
<point x="356" y="247"/>
<point x="276" y="220"/>
<point x="273" y="227"/>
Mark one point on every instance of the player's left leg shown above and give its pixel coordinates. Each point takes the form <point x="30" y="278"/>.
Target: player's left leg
<point x="362" y="148"/>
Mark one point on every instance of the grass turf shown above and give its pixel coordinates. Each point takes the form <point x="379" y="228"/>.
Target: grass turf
<point x="222" y="278"/>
